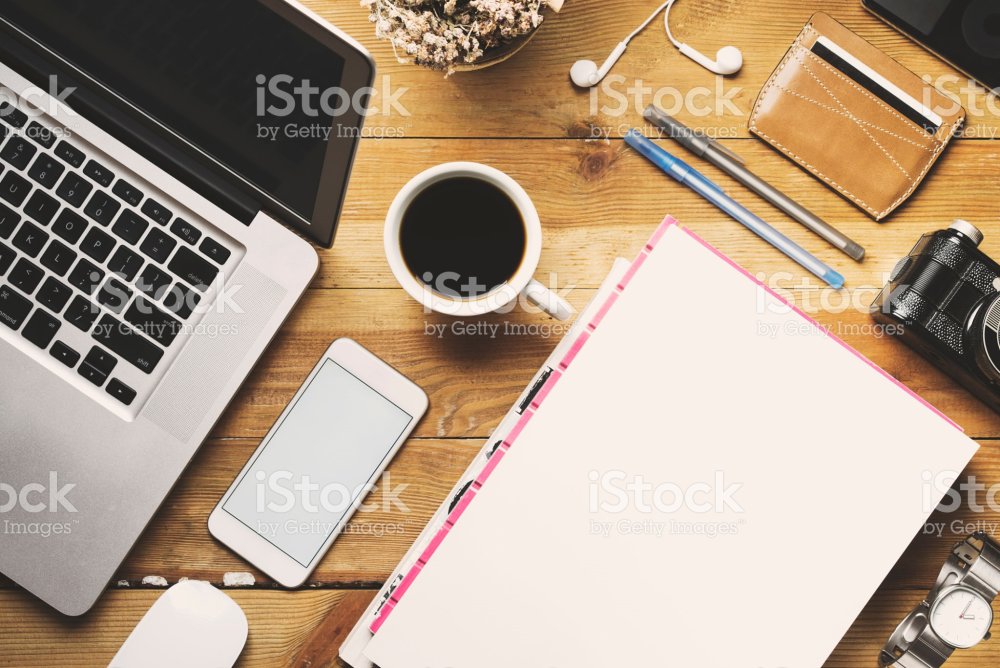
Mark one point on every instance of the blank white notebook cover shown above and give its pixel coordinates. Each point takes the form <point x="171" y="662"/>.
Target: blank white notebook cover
<point x="698" y="379"/>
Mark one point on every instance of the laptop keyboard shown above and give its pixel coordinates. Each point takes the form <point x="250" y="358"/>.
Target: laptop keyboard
<point x="104" y="277"/>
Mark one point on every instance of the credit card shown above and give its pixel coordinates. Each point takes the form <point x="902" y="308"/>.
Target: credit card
<point x="852" y="67"/>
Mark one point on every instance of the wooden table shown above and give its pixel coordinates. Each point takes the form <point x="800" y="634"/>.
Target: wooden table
<point x="597" y="201"/>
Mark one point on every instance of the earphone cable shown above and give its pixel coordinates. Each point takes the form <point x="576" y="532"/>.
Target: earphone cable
<point x="664" y="6"/>
<point x="666" y="22"/>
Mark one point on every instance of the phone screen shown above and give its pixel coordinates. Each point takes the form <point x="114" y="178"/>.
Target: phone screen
<point x="316" y="462"/>
<point x="964" y="32"/>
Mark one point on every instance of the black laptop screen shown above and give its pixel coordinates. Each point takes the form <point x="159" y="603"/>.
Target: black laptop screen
<point x="227" y="75"/>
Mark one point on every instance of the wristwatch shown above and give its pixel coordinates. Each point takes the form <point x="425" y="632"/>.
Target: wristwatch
<point x="957" y="613"/>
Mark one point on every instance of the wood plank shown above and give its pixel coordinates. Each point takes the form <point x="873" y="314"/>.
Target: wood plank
<point x="600" y="200"/>
<point x="534" y="88"/>
<point x="177" y="544"/>
<point x="304" y="629"/>
<point x="281" y="624"/>
<point x="473" y="379"/>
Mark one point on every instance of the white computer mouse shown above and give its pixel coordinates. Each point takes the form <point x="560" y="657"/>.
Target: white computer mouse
<point x="192" y="625"/>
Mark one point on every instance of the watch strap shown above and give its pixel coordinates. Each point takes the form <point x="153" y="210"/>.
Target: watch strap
<point x="926" y="650"/>
<point x="979" y="555"/>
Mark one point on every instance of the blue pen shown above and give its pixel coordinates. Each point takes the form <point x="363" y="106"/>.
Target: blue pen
<point x="690" y="177"/>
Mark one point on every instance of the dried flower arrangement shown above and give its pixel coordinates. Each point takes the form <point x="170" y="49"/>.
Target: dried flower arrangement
<point x="451" y="34"/>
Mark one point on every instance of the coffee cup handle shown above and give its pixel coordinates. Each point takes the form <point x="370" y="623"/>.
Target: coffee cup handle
<point x="548" y="301"/>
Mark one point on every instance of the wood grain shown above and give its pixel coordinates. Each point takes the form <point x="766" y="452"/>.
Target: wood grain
<point x="531" y="95"/>
<point x="473" y="378"/>
<point x="177" y="545"/>
<point x="597" y="201"/>
<point x="302" y="629"/>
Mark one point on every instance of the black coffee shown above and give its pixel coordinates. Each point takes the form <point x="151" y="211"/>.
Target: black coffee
<point x="462" y="237"/>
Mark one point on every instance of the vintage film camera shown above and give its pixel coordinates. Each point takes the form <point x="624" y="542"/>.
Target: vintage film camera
<point x="946" y="296"/>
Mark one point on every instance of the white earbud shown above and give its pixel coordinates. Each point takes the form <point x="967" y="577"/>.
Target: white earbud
<point x="728" y="60"/>
<point x="586" y="73"/>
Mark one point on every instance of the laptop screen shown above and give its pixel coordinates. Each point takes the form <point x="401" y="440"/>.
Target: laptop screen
<point x="235" y="78"/>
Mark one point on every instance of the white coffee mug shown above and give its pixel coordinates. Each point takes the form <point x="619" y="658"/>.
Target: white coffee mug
<point x="522" y="282"/>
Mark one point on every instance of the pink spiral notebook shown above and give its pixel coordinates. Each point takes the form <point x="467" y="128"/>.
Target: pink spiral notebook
<point x="657" y="405"/>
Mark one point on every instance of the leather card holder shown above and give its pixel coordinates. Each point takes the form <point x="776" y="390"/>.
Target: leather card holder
<point x="853" y="117"/>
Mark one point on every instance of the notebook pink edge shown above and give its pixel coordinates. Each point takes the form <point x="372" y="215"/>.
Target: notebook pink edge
<point x="582" y="339"/>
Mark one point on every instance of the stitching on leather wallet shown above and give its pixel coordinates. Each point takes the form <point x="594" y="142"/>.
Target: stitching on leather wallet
<point x="830" y="182"/>
<point x="772" y="84"/>
<point x="853" y="84"/>
<point x="845" y="115"/>
<point x="844" y="191"/>
<point x="773" y="81"/>
<point x="853" y="118"/>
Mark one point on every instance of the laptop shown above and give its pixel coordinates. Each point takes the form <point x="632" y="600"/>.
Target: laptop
<point x="162" y="166"/>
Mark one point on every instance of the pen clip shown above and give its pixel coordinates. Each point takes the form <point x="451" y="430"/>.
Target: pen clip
<point x="715" y="145"/>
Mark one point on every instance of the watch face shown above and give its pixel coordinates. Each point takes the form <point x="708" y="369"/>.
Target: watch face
<point x="961" y="617"/>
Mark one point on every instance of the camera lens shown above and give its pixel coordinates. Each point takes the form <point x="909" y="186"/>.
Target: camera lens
<point x="986" y="326"/>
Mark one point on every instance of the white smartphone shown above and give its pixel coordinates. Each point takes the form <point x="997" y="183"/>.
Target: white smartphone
<point x="314" y="468"/>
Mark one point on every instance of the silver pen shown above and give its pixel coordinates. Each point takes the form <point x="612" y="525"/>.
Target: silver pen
<point x="731" y="164"/>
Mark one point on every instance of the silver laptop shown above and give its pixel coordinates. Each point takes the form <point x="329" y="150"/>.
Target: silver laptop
<point x="154" y="157"/>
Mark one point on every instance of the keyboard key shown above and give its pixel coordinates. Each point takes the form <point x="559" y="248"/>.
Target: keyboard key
<point x="86" y="277"/>
<point x="102" y="208"/>
<point x="42" y="207"/>
<point x="25" y="276"/>
<point x="153" y="322"/>
<point x="92" y="374"/>
<point x="193" y="268"/>
<point x="130" y="226"/>
<point x="101" y="360"/>
<point x="125" y="263"/>
<point x="8" y="221"/>
<point x="99" y="173"/>
<point x="65" y="354"/>
<point x="82" y="314"/>
<point x="41" y="329"/>
<point x="70" y="153"/>
<point x="11" y="114"/>
<point x="54" y="295"/>
<point x="13" y="307"/>
<point x="158" y="245"/>
<point x="181" y="301"/>
<point x="153" y="281"/>
<point x="46" y="171"/>
<point x="70" y="226"/>
<point x="14" y="189"/>
<point x="40" y="134"/>
<point x="157" y="211"/>
<point x="128" y="192"/>
<point x="215" y="251"/>
<point x="18" y="151"/>
<point x="186" y="231"/>
<point x="128" y="344"/>
<point x="97" y="244"/>
<point x="7" y="256"/>
<point x="121" y="392"/>
<point x="57" y="258"/>
<point x="30" y="239"/>
<point x="74" y="189"/>
<point x="114" y="295"/>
